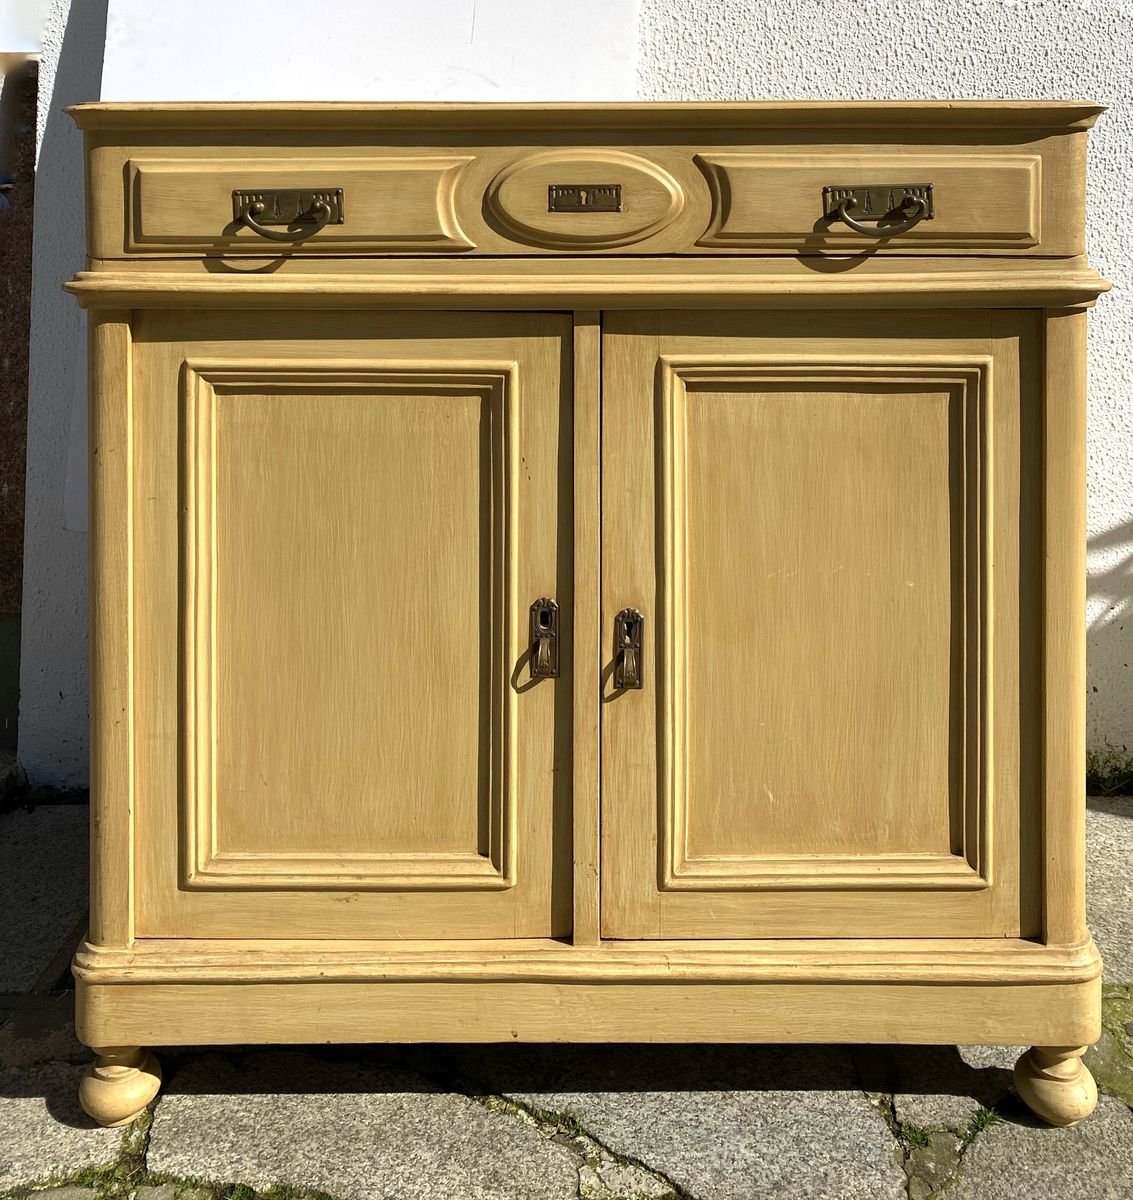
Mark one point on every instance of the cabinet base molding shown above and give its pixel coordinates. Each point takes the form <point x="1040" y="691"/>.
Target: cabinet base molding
<point x="210" y="992"/>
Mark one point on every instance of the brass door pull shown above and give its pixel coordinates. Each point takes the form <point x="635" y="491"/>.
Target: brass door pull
<point x="545" y="639"/>
<point x="629" y="625"/>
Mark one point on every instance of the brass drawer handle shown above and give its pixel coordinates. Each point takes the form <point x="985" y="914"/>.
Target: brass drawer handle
<point x="877" y="203"/>
<point x="289" y="207"/>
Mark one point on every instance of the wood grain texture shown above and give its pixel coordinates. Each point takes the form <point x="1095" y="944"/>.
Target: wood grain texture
<point x="896" y="642"/>
<point x="883" y="115"/>
<point x="399" y="204"/>
<point x="889" y="456"/>
<point x="312" y="529"/>
<point x="1007" y="183"/>
<point x="607" y="284"/>
<point x="164" y="1014"/>
<point x="650" y="200"/>
<point x="763" y="198"/>
<point x="364" y="535"/>
<point x="112" y="663"/>
<point x="1064" y="637"/>
<point x="815" y="960"/>
<point x="586" y="633"/>
<point x="845" y="489"/>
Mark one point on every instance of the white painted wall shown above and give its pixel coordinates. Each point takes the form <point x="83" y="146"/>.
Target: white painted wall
<point x="372" y="50"/>
<point x="545" y="49"/>
<point x="53" y="666"/>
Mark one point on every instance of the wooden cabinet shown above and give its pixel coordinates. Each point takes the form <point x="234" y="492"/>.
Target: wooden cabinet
<point x="587" y="573"/>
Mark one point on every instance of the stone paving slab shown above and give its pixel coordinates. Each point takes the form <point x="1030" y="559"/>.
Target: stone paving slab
<point x="938" y="1086"/>
<point x="1109" y="882"/>
<point x="726" y="1122"/>
<point x="359" y="1133"/>
<point x="45" y="1133"/>
<point x="1019" y="1158"/>
<point x="43" y="887"/>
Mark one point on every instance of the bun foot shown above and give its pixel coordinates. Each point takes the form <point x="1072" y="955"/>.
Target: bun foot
<point x="119" y="1084"/>
<point x="1056" y="1085"/>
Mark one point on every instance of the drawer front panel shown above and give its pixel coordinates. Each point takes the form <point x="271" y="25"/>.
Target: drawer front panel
<point x="704" y="198"/>
<point x="392" y="204"/>
<point x="762" y="200"/>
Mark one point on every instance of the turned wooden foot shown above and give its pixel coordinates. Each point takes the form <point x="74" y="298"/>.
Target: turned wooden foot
<point x="119" y="1084"/>
<point x="1055" y="1084"/>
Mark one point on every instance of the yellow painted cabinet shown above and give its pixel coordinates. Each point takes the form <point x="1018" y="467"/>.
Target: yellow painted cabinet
<point x="776" y="414"/>
<point x="824" y="522"/>
<point x="340" y="522"/>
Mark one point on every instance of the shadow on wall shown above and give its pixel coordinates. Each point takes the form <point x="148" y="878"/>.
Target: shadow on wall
<point x="53" y="677"/>
<point x="1110" y="606"/>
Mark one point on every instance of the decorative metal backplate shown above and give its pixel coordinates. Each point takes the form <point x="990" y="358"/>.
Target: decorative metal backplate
<point x="286" y="206"/>
<point x="545" y="639"/>
<point x="584" y="197"/>
<point x="876" y="201"/>
<point x="629" y="625"/>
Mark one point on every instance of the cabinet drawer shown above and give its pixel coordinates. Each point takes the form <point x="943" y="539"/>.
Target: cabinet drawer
<point x="385" y="203"/>
<point x="722" y="188"/>
<point x="766" y="199"/>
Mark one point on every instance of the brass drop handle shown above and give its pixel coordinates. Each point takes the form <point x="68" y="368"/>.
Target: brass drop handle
<point x="629" y="625"/>
<point x="316" y="217"/>
<point x="910" y="205"/>
<point x="877" y="203"/>
<point x="545" y="639"/>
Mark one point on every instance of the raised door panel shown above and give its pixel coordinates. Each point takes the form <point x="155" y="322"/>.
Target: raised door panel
<point x="826" y="535"/>
<point x="341" y="524"/>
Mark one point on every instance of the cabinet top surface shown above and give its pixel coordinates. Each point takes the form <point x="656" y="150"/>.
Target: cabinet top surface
<point x="944" y="114"/>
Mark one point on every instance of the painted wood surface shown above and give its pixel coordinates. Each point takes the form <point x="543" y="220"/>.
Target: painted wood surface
<point x="368" y="511"/>
<point x="818" y="526"/>
<point x="715" y="180"/>
<point x="843" y="482"/>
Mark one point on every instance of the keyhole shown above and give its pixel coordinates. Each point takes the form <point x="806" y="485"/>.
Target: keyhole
<point x="544" y="619"/>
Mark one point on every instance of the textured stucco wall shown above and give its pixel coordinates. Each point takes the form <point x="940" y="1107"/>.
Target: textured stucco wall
<point x="53" y="665"/>
<point x="1060" y="49"/>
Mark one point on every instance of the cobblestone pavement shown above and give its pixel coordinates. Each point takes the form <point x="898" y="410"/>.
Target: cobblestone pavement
<point x="533" y="1122"/>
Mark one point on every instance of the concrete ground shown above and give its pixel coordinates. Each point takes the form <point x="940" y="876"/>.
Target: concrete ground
<point x="534" y="1122"/>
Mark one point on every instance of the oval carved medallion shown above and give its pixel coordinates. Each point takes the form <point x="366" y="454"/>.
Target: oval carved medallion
<point x="583" y="199"/>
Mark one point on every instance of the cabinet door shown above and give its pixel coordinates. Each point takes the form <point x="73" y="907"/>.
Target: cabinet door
<point x="340" y="522"/>
<point x="830" y="522"/>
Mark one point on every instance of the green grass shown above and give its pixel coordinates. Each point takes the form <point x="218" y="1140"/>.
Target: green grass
<point x="914" y="1135"/>
<point x="981" y="1119"/>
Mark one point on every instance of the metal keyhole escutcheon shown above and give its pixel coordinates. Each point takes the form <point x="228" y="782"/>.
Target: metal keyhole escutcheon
<point x="545" y="639"/>
<point x="629" y="625"/>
